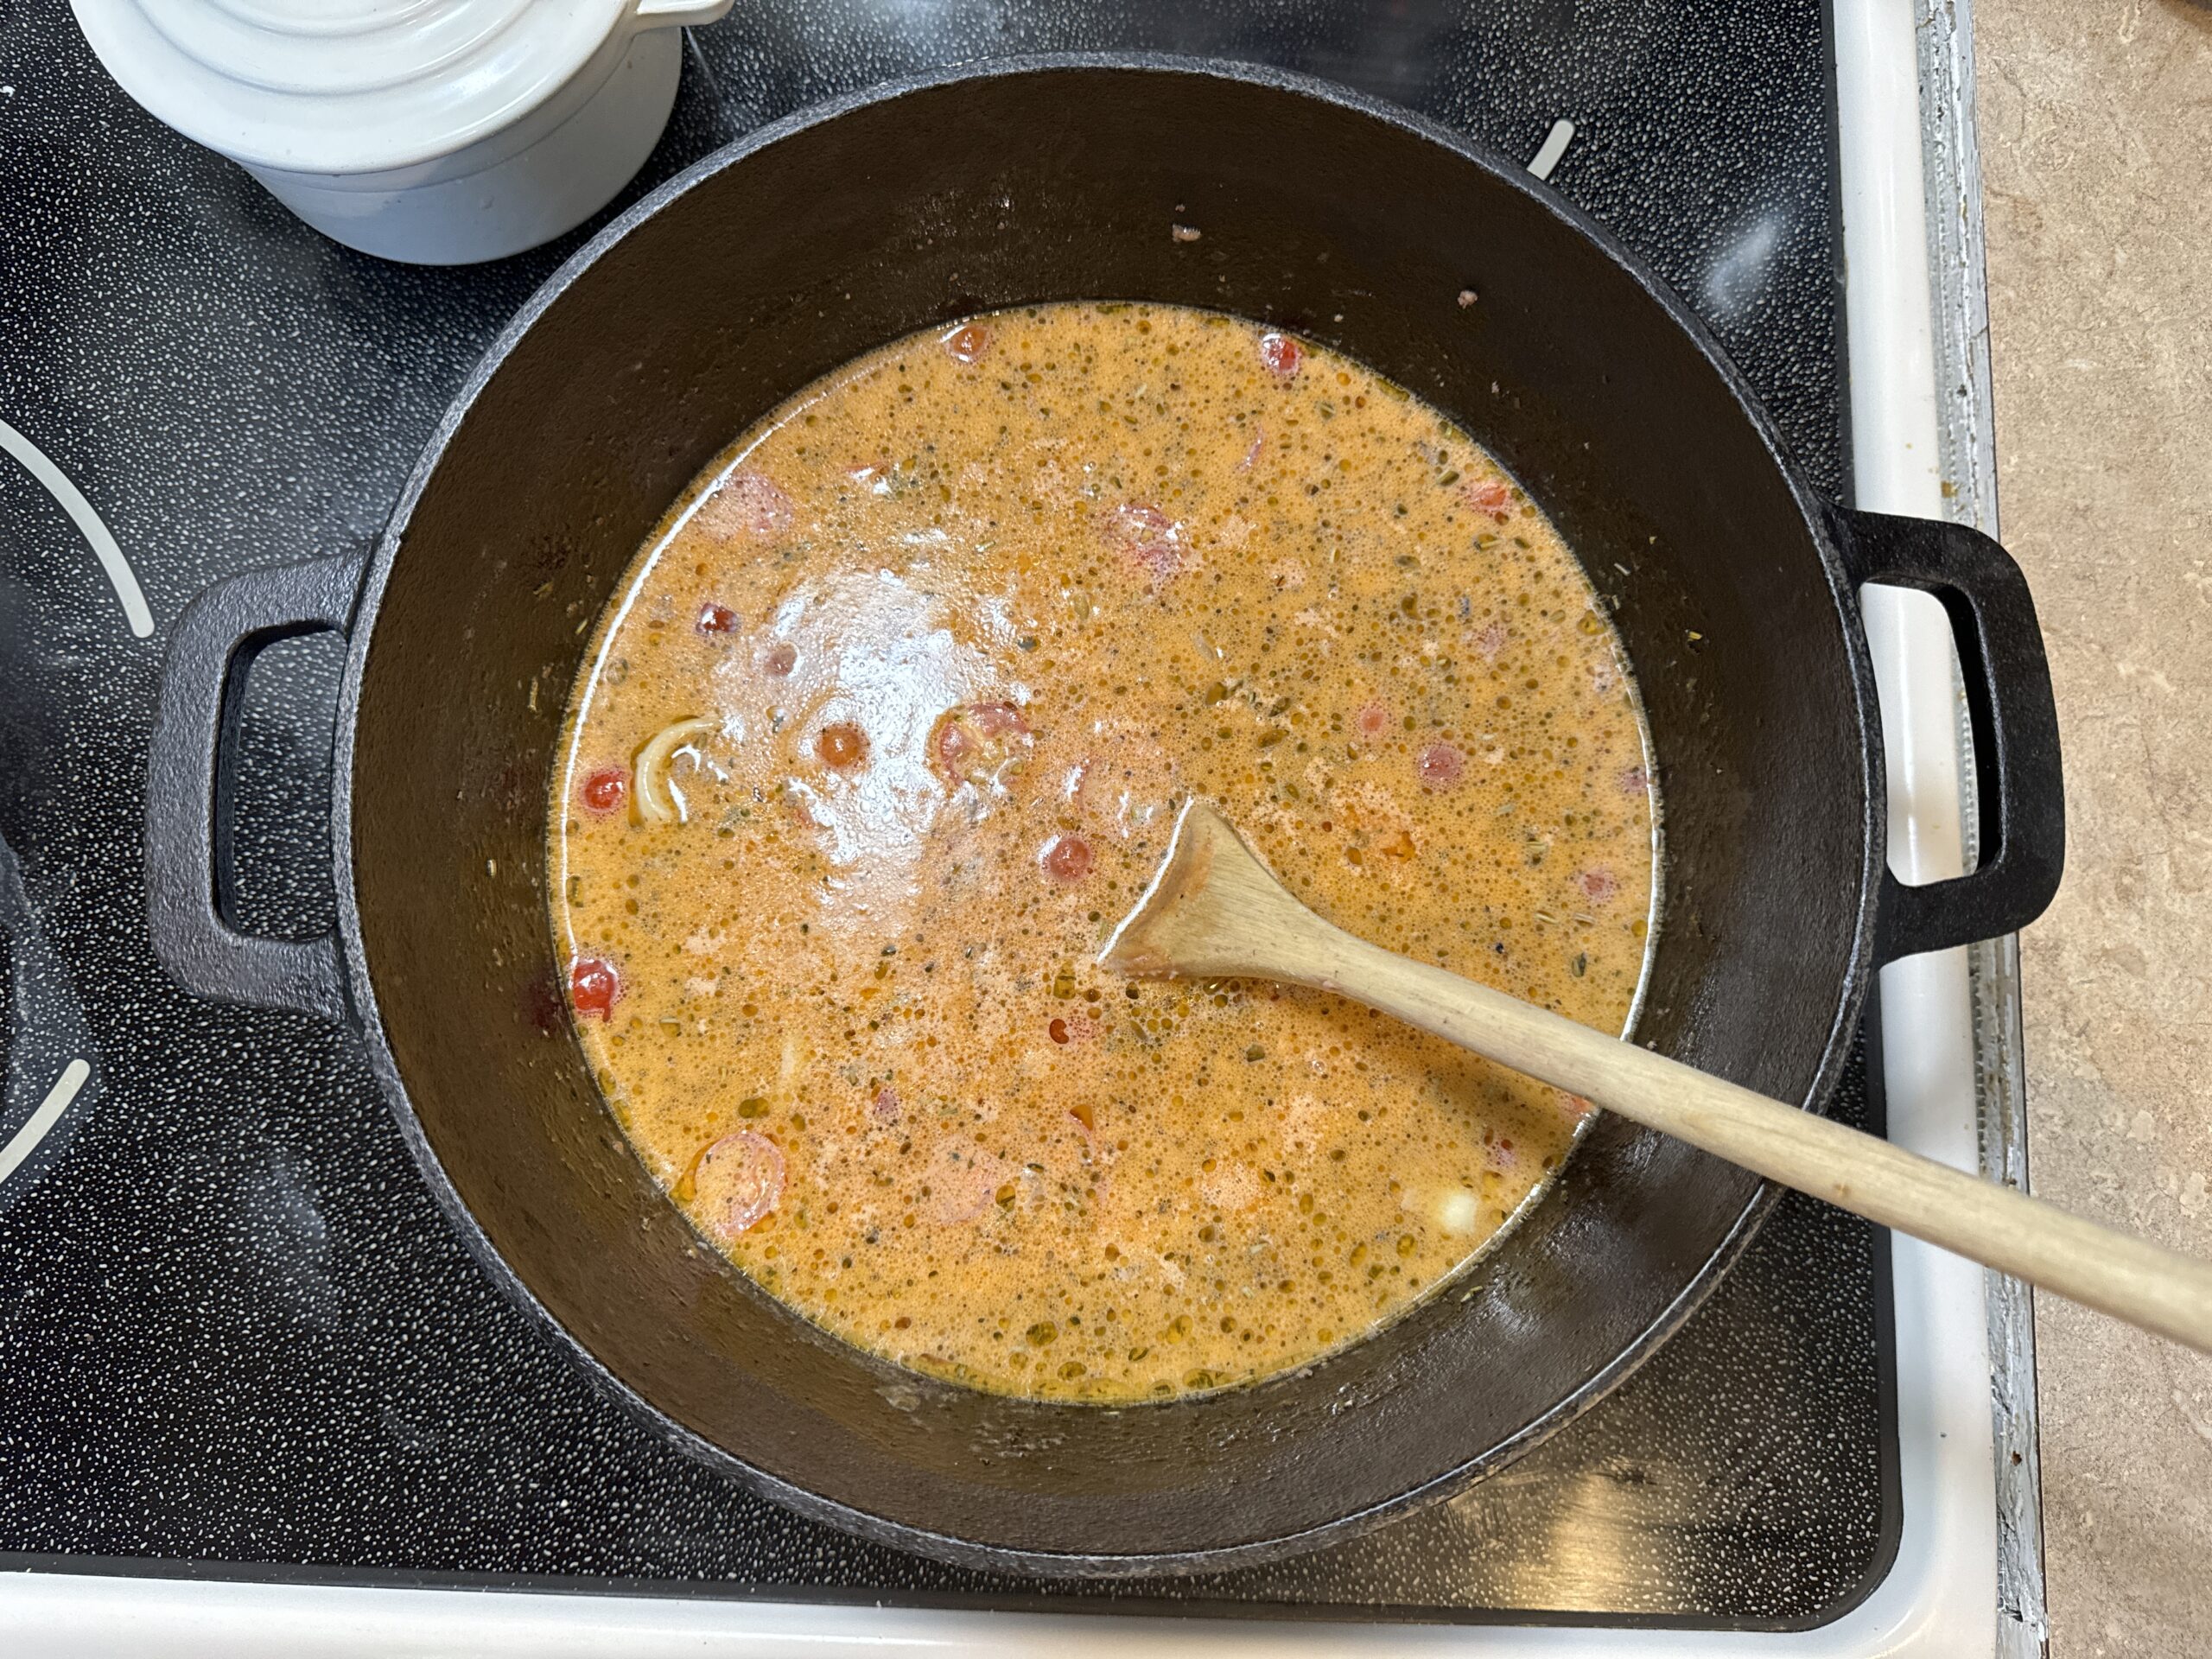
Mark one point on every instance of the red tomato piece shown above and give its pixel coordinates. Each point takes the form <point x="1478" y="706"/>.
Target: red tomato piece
<point x="1252" y="454"/>
<point x="604" y="790"/>
<point x="956" y="747"/>
<point x="1149" y="536"/>
<point x="967" y="342"/>
<point x="737" y="1181"/>
<point x="1491" y="496"/>
<point x="884" y="1106"/>
<point x="779" y="659"/>
<point x="594" y="988"/>
<point x="1439" y="765"/>
<point x="716" y="619"/>
<point x="1281" y="355"/>
<point x="1068" y="859"/>
<point x="1074" y="1029"/>
<point x="1635" y="781"/>
<point x="1373" y="720"/>
<point x="1597" y="885"/>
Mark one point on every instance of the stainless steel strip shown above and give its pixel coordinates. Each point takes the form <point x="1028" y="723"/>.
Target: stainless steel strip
<point x="1953" y="162"/>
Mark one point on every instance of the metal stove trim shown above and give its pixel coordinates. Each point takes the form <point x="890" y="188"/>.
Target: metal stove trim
<point x="1951" y="155"/>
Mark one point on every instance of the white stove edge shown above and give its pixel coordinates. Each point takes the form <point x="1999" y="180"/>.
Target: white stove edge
<point x="1937" y="1602"/>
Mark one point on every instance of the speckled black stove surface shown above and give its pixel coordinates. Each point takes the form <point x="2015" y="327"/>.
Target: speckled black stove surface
<point x="235" y="1336"/>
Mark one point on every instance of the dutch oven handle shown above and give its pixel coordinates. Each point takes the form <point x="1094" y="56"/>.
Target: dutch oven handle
<point x="187" y="789"/>
<point x="2022" y="806"/>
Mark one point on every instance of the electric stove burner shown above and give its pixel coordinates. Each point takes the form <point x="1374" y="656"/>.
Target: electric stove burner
<point x="44" y="1068"/>
<point x="236" y="1337"/>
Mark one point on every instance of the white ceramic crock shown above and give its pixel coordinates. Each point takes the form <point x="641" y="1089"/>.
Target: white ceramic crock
<point x="434" y="131"/>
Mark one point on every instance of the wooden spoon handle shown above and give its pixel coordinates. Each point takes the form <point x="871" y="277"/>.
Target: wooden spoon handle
<point x="2131" y="1278"/>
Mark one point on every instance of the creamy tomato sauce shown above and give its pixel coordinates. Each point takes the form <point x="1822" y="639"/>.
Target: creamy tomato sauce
<point x="888" y="726"/>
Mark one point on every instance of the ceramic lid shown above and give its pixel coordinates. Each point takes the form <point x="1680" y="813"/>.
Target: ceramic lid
<point x="342" y="87"/>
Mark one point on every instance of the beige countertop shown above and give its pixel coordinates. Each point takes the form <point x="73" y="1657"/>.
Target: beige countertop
<point x="2096" y="135"/>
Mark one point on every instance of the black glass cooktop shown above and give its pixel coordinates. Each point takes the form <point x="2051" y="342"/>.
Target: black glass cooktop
<point x="236" y="1337"/>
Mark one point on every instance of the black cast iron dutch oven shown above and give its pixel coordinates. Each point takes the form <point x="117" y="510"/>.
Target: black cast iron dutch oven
<point x="811" y="241"/>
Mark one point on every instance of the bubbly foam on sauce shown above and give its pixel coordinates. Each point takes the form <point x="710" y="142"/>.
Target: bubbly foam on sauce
<point x="888" y="729"/>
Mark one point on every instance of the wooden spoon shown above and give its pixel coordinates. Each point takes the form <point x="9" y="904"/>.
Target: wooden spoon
<point x="1214" y="912"/>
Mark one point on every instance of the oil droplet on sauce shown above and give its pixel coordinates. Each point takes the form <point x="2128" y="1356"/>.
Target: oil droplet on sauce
<point x="842" y="746"/>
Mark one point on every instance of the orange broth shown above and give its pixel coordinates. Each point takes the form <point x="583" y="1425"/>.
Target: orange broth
<point x="888" y="726"/>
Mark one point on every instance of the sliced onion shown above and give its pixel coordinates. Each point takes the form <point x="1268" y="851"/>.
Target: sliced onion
<point x="651" y="795"/>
